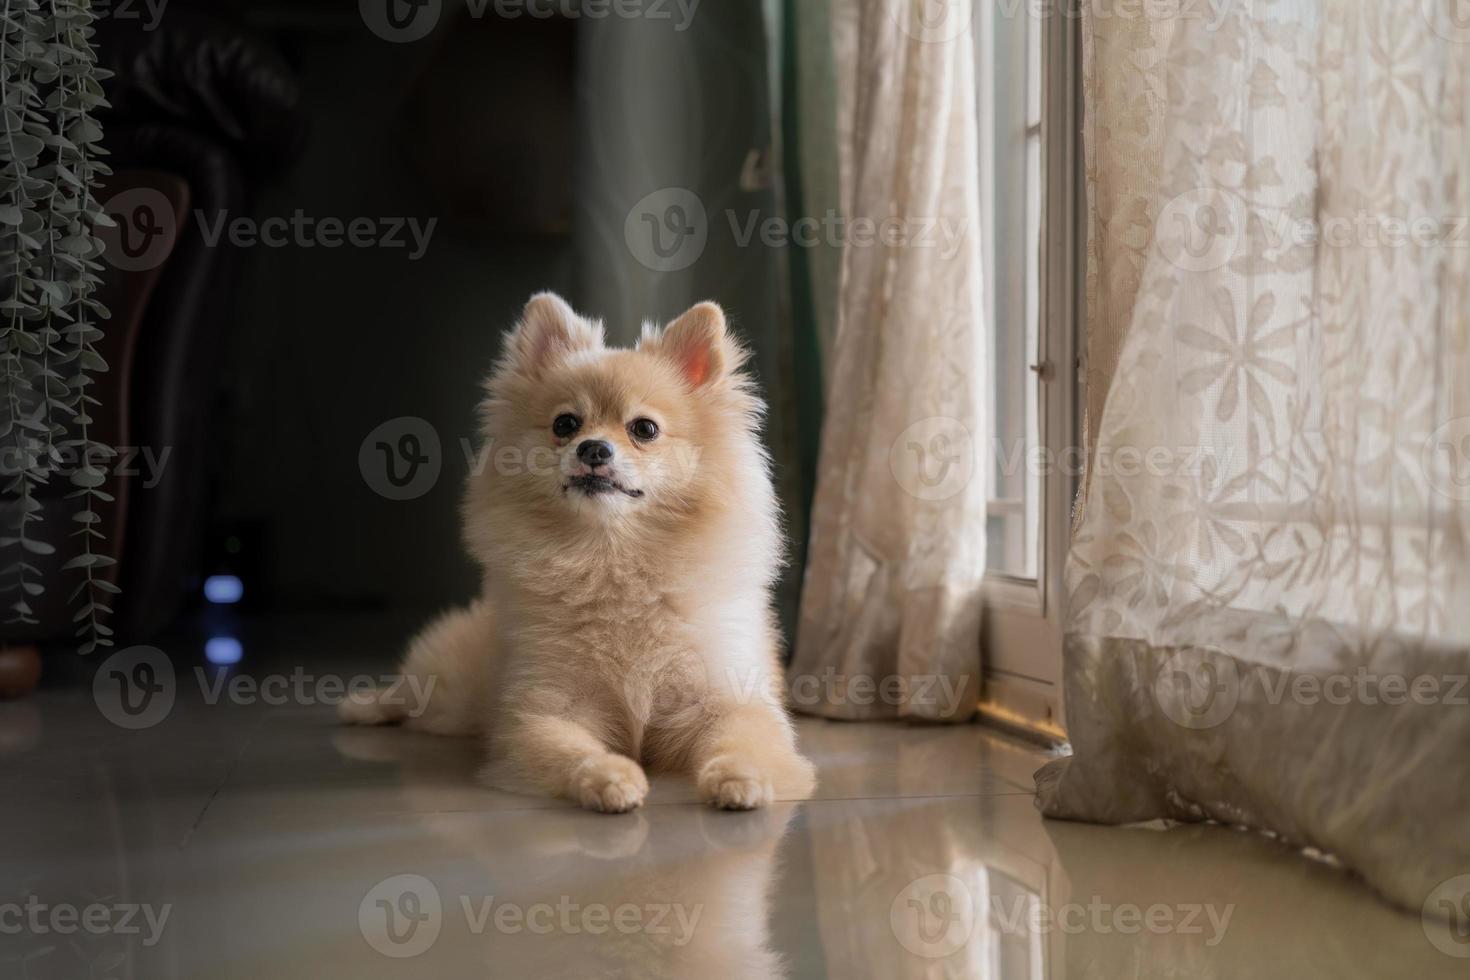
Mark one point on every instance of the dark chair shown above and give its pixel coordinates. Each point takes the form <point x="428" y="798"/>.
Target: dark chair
<point x="202" y="112"/>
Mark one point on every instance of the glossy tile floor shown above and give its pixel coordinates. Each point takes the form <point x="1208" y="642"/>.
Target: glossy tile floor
<point x="228" y="836"/>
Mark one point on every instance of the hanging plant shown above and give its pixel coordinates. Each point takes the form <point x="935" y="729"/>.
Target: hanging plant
<point x="50" y="86"/>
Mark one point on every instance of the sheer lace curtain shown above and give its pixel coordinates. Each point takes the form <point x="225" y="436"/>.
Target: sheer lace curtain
<point x="1270" y="586"/>
<point x="890" y="611"/>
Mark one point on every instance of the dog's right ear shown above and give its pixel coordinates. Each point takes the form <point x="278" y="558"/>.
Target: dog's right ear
<point x="549" y="330"/>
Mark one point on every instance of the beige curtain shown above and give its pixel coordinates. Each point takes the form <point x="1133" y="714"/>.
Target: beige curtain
<point x="890" y="612"/>
<point x="1268" y="609"/>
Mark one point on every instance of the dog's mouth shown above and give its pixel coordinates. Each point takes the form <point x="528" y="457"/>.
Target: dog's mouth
<point x="593" y="484"/>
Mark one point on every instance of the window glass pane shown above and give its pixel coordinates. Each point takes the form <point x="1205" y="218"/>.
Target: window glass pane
<point x="1009" y="81"/>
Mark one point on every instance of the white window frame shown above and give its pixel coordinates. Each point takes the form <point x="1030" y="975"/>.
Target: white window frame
<point x="1022" y="626"/>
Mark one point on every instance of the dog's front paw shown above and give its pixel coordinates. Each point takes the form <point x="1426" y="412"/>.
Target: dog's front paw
<point x="734" y="785"/>
<point x="609" y="784"/>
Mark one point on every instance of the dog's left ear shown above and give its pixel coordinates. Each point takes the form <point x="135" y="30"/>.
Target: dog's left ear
<point x="699" y="343"/>
<point x="550" y="330"/>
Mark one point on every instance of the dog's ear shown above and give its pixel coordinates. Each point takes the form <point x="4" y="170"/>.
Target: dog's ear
<point x="699" y="343"/>
<point x="550" y="330"/>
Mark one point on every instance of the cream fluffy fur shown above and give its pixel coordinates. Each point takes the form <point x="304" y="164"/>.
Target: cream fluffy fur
<point x="627" y="623"/>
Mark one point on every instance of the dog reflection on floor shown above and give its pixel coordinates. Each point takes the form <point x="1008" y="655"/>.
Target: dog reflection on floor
<point x="675" y="890"/>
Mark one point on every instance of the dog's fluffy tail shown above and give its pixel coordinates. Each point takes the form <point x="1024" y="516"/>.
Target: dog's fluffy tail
<point x="443" y="684"/>
<point x="378" y="706"/>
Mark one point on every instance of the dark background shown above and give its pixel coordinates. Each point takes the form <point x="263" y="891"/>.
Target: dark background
<point x="529" y="141"/>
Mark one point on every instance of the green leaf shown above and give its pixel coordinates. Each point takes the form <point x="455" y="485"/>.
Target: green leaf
<point x="59" y="292"/>
<point x="26" y="342"/>
<point x="23" y="146"/>
<point x="89" y="478"/>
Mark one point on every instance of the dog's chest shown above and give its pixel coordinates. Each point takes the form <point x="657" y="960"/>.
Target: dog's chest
<point x="610" y="608"/>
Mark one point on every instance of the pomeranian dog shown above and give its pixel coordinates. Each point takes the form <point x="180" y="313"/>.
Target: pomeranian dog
<point x="629" y="536"/>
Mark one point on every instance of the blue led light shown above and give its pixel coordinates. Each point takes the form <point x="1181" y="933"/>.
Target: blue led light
<point x="223" y="590"/>
<point x="223" y="650"/>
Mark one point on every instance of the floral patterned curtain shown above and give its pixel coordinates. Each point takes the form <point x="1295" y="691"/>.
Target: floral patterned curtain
<point x="890" y="609"/>
<point x="1270" y="587"/>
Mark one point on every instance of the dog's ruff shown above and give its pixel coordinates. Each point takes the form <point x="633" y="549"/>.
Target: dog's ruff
<point x="617" y="630"/>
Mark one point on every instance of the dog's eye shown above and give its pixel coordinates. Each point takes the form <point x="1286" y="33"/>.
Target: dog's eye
<point x="565" y="425"/>
<point x="644" y="430"/>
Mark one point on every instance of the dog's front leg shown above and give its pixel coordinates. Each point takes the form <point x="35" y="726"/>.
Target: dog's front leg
<point x="560" y="756"/>
<point x="747" y="757"/>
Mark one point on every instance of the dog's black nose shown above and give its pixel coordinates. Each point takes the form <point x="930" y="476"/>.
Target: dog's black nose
<point x="595" y="452"/>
